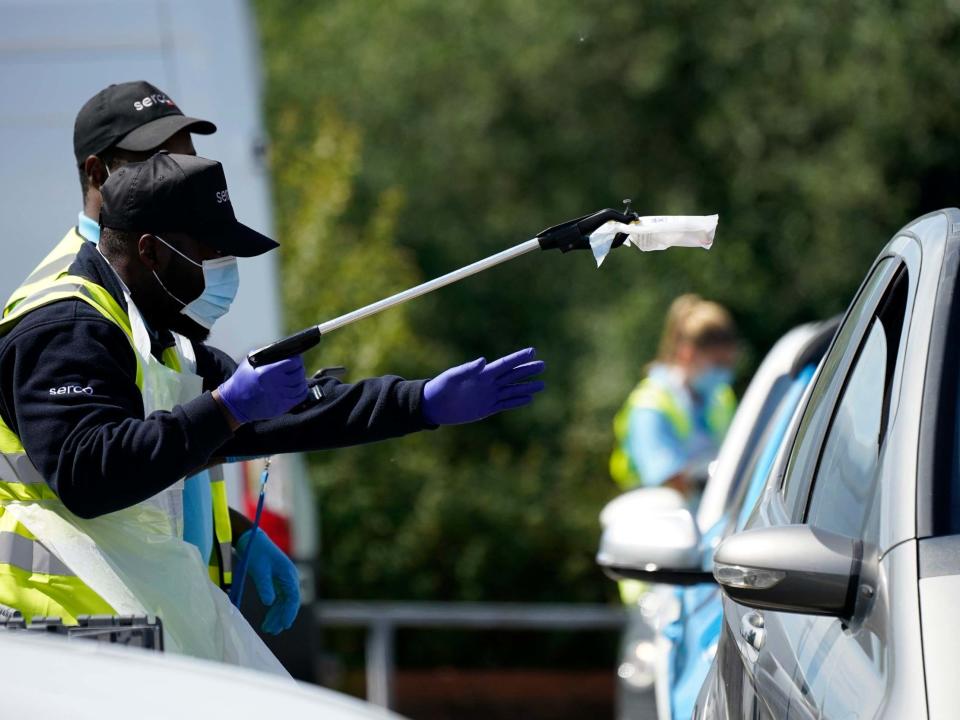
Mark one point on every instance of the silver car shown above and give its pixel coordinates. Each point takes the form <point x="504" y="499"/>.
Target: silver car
<point x="841" y="593"/>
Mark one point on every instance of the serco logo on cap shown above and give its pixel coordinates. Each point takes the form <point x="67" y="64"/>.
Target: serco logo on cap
<point x="151" y="100"/>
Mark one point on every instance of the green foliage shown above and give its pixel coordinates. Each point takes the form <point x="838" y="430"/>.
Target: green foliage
<point x="413" y="136"/>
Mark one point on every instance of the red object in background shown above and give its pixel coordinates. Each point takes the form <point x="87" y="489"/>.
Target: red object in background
<point x="275" y="524"/>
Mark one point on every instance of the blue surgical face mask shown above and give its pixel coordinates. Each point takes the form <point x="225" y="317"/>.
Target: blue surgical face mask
<point x="88" y="228"/>
<point x="710" y="379"/>
<point x="221" y="280"/>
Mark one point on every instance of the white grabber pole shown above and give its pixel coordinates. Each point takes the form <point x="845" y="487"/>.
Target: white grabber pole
<point x="570" y="235"/>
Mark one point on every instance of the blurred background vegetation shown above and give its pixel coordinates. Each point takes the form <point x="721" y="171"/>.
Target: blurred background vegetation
<point x="412" y="137"/>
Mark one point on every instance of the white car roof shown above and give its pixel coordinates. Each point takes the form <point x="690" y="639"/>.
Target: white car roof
<point x="90" y="680"/>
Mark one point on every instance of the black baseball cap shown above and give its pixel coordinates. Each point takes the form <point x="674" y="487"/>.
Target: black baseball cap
<point x="178" y="193"/>
<point x="132" y="116"/>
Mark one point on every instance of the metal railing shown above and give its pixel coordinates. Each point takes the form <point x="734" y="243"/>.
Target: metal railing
<point x="383" y="618"/>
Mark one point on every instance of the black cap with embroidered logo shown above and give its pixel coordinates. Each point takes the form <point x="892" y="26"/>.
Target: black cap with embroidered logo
<point x="133" y="116"/>
<point x="178" y="193"/>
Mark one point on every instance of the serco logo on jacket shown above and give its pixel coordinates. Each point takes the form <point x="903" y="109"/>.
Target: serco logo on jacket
<point x="72" y="390"/>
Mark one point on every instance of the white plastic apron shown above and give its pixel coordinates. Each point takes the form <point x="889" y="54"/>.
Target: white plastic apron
<point x="136" y="559"/>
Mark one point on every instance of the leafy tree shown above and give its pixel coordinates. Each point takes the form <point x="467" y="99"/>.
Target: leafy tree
<point x="411" y="137"/>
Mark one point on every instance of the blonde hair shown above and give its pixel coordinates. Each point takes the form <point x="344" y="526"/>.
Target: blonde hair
<point x="707" y="325"/>
<point x="673" y="326"/>
<point x="702" y="323"/>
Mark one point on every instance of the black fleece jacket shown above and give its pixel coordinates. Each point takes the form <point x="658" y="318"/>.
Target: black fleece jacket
<point x="68" y="390"/>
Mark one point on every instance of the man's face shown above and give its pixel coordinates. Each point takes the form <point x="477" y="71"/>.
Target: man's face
<point x="97" y="170"/>
<point x="173" y="261"/>
<point x="180" y="143"/>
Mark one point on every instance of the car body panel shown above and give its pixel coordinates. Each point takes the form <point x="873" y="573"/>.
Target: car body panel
<point x="846" y="670"/>
<point x="841" y="673"/>
<point x="939" y="590"/>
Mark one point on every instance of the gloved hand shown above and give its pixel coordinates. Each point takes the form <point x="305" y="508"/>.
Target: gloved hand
<point x="260" y="393"/>
<point x="474" y="390"/>
<point x="276" y="579"/>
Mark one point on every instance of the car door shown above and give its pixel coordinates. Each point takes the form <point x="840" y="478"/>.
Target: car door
<point x="842" y="665"/>
<point x="760" y="658"/>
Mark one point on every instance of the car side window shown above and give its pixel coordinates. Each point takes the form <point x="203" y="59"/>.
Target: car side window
<point x="844" y="497"/>
<point x="816" y="413"/>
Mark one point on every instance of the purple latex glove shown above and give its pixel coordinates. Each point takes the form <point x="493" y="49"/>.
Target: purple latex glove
<point x="260" y="393"/>
<point x="474" y="390"/>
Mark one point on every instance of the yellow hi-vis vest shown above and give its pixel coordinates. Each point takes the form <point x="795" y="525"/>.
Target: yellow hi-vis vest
<point x="55" y="265"/>
<point x="652" y="395"/>
<point x="34" y="580"/>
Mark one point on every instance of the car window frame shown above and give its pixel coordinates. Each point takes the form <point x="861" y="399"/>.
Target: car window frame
<point x="889" y="265"/>
<point x="898" y="283"/>
<point x="940" y="413"/>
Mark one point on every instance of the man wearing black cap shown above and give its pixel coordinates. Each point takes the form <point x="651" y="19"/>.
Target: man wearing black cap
<point x="125" y="122"/>
<point x="108" y="396"/>
<point x="129" y="122"/>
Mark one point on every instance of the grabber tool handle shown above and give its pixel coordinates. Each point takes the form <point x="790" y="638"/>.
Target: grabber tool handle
<point x="286" y="348"/>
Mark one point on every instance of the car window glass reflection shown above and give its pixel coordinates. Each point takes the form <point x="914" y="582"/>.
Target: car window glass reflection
<point x="804" y="454"/>
<point x="846" y="479"/>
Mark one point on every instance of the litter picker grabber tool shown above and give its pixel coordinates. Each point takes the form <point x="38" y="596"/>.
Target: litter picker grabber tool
<point x="570" y="235"/>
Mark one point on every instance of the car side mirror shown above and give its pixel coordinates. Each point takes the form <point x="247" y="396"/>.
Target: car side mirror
<point x="641" y="501"/>
<point x="791" y="568"/>
<point x="656" y="546"/>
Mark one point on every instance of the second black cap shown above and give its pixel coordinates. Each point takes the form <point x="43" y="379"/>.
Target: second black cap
<point x="179" y="193"/>
<point x="134" y="116"/>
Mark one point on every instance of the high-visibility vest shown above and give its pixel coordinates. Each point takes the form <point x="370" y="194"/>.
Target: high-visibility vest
<point x="221" y="558"/>
<point x="34" y="580"/>
<point x="55" y="265"/>
<point x="653" y="395"/>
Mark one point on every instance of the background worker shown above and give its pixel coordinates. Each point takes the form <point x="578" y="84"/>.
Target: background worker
<point x="109" y="396"/>
<point x="673" y="423"/>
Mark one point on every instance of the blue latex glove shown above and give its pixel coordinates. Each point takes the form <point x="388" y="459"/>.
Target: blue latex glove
<point x="276" y="579"/>
<point x="264" y="392"/>
<point x="474" y="390"/>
